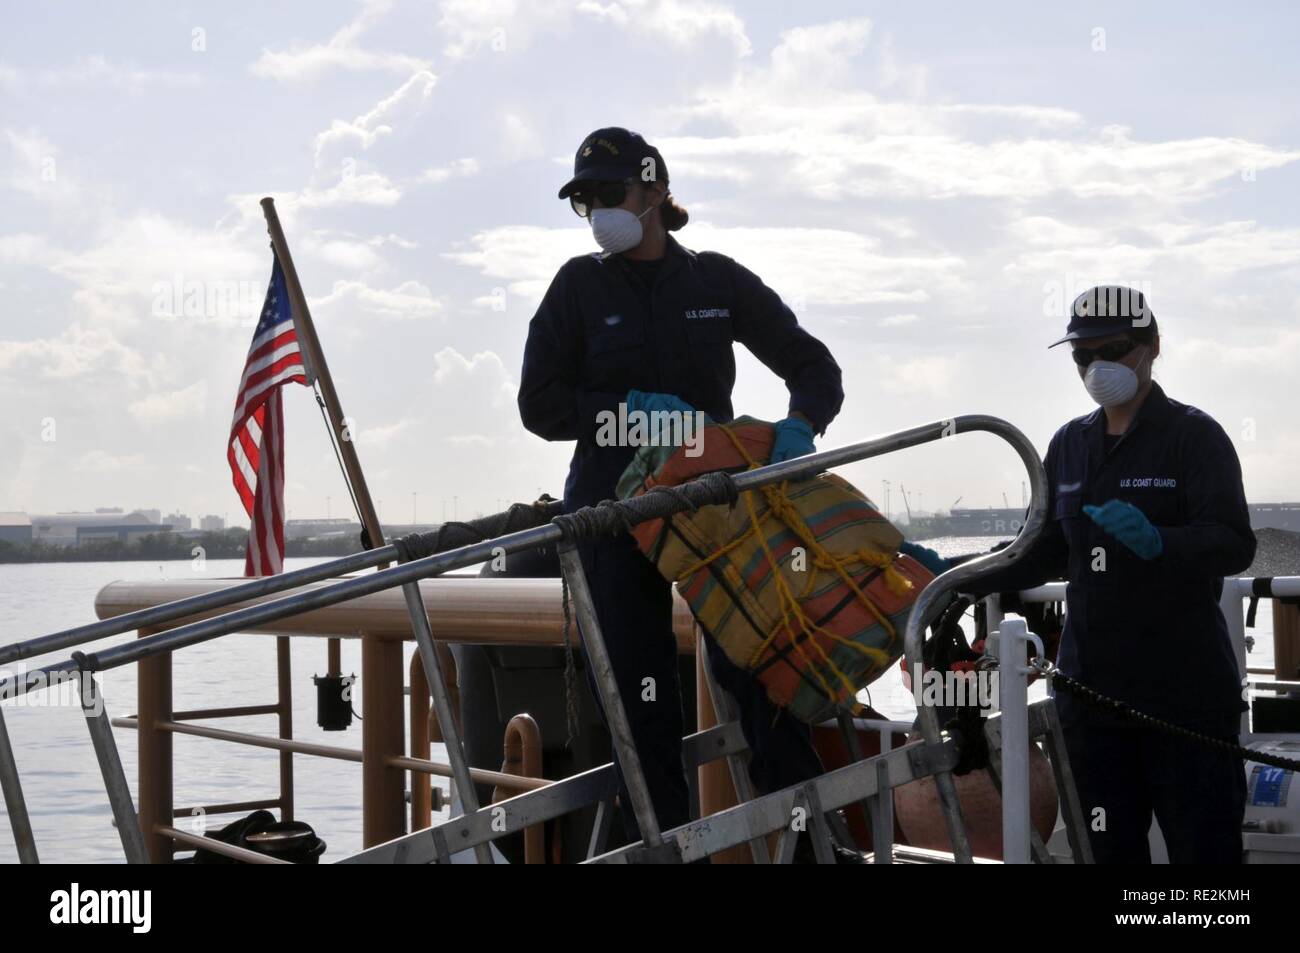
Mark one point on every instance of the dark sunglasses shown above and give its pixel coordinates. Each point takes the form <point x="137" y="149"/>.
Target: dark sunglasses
<point x="609" y="194"/>
<point x="1083" y="356"/>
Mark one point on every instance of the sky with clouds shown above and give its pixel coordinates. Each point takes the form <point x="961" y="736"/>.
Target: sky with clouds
<point x="926" y="184"/>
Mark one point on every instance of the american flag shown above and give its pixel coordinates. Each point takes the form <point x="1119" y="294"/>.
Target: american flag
<point x="256" y="450"/>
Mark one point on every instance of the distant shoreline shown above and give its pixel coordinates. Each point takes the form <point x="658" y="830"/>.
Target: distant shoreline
<point x="167" y="547"/>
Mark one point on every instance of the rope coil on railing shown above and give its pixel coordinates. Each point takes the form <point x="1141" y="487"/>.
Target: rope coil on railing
<point x="1094" y="698"/>
<point x="610" y="517"/>
<point x="455" y="534"/>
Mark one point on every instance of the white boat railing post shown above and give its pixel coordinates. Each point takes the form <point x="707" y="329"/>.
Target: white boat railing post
<point x="992" y="611"/>
<point x="1012" y="641"/>
<point x="1234" y="614"/>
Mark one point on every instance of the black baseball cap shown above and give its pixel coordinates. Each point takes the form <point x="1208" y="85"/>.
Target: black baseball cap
<point x="1107" y="309"/>
<point x="613" y="154"/>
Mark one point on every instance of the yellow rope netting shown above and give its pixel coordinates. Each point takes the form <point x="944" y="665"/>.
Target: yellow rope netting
<point x="780" y="507"/>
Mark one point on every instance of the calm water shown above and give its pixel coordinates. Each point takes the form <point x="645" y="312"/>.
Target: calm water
<point x="71" y="819"/>
<point x="61" y="781"/>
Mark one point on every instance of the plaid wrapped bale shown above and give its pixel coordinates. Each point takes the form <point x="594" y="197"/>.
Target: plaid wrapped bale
<point x="801" y="584"/>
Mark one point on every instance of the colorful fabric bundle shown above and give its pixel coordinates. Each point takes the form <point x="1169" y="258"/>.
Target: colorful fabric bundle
<point x="800" y="583"/>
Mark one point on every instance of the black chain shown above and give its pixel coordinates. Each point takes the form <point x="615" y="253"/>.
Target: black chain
<point x="1126" y="711"/>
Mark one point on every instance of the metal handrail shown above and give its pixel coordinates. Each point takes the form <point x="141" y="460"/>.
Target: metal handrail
<point x="927" y="607"/>
<point x="475" y="553"/>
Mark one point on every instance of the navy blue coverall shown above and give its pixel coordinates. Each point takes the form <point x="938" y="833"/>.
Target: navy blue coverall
<point x="1148" y="632"/>
<point x="608" y="325"/>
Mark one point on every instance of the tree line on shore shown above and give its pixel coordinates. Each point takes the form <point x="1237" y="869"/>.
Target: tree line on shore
<point x="225" y="544"/>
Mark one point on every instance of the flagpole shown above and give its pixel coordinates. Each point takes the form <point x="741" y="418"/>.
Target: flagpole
<point x="317" y="368"/>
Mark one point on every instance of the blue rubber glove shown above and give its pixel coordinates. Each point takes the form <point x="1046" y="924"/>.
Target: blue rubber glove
<point x="1129" y="525"/>
<point x="649" y="403"/>
<point x="926" y="557"/>
<point x="654" y="406"/>
<point x="793" y="438"/>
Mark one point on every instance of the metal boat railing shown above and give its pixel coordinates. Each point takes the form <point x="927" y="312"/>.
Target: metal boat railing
<point x="933" y="756"/>
<point x="1236" y="591"/>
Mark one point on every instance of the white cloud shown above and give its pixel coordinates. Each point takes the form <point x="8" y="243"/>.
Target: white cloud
<point x="913" y="211"/>
<point x="367" y="129"/>
<point x="76" y="351"/>
<point x="456" y="169"/>
<point x="470" y="395"/>
<point x="932" y="376"/>
<point x="520" y="138"/>
<point x="132" y="268"/>
<point x="174" y="405"/>
<point x="303" y="62"/>
<point x="686" y="23"/>
<point x="97" y="71"/>
<point x="101" y="461"/>
<point x="409" y="300"/>
<point x="26" y="248"/>
<point x="820" y="266"/>
<point x="841" y="161"/>
<point x="345" y="250"/>
<point x="35" y="167"/>
<point x="510" y="26"/>
<point x="818" y="55"/>
<point x="381" y="437"/>
<point x="501" y="25"/>
<point x="852" y="143"/>
<point x="344" y="253"/>
<point x="351" y="189"/>
<point x="1275" y="352"/>
<point x="1155" y="249"/>
<point x="526" y="257"/>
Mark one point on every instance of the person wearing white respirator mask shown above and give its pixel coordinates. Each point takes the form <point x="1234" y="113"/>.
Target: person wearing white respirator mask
<point x="644" y="326"/>
<point x="1146" y="514"/>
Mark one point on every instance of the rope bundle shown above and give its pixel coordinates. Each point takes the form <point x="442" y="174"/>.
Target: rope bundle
<point x="783" y="509"/>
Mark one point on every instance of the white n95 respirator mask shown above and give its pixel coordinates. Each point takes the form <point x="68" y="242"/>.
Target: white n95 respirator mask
<point x="617" y="229"/>
<point x="1110" y="383"/>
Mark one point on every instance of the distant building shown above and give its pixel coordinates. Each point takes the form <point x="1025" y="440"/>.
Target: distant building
<point x="1275" y="516"/>
<point x="122" y="532"/>
<point x="320" y="528"/>
<point x="16" y="528"/>
<point x="155" y="516"/>
<point x="70" y="529"/>
<point x="179" y="523"/>
<point x="212" y="524"/>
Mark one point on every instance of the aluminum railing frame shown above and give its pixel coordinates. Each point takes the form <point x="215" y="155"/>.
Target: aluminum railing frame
<point x="596" y="786"/>
<point x="835" y="789"/>
<point x="923" y="613"/>
<point x="927" y="607"/>
<point x="110" y="766"/>
<point x="1045" y="726"/>
<point x="15" y="804"/>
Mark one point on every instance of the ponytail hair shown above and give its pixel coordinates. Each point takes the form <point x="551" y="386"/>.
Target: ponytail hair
<point x="671" y="214"/>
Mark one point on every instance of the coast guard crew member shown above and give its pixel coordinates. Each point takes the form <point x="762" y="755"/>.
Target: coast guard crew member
<point x="650" y="325"/>
<point x="1146" y="515"/>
